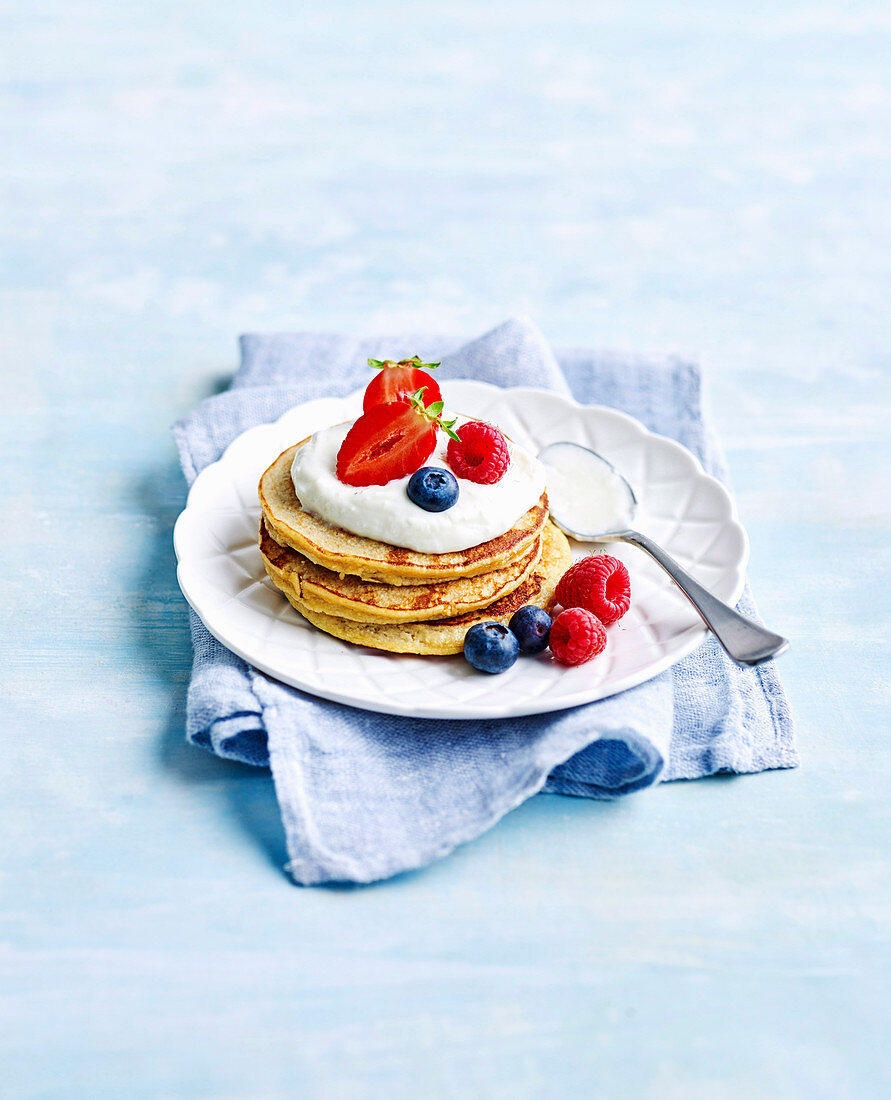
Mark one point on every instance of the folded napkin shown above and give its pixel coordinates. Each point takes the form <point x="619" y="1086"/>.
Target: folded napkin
<point x="364" y="796"/>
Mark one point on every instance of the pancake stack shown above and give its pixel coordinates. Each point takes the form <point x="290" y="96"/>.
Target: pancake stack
<point x="374" y="594"/>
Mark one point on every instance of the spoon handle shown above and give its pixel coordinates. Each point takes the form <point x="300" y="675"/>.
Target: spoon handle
<point x="745" y="641"/>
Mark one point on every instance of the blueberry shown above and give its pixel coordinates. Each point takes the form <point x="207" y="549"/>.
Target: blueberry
<point x="532" y="627"/>
<point x="491" y="647"/>
<point x="433" y="488"/>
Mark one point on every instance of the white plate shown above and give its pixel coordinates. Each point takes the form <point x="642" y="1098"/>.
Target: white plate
<point x="691" y="514"/>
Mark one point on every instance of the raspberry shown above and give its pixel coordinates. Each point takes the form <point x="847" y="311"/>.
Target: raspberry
<point x="480" y="453"/>
<point x="577" y="636"/>
<point x="598" y="583"/>
<point x="565" y="594"/>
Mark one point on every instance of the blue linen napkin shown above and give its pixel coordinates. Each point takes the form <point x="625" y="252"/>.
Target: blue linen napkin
<point x="364" y="796"/>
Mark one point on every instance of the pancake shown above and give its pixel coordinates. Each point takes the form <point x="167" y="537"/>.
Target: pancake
<point x="444" y="636"/>
<point x="348" y="597"/>
<point x="345" y="553"/>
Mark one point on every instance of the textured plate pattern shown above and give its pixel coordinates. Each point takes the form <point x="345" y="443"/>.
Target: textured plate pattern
<point x="688" y="512"/>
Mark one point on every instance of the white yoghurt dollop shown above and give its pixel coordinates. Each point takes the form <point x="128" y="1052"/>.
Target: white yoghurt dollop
<point x="585" y="492"/>
<point x="384" y="512"/>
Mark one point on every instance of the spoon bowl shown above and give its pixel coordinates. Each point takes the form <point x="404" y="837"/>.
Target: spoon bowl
<point x="606" y="504"/>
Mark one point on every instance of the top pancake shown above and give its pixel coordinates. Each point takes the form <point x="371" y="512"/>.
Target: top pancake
<point x="346" y="553"/>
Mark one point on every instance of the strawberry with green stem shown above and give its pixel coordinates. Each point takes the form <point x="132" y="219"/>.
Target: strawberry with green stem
<point x="399" y="379"/>
<point x="391" y="440"/>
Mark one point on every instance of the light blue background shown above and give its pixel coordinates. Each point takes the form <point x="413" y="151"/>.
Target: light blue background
<point x="707" y="179"/>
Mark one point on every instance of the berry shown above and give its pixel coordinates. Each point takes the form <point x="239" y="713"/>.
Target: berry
<point x="491" y="647"/>
<point x="600" y="584"/>
<point x="397" y="379"/>
<point x="577" y="636"/>
<point x="566" y="593"/>
<point x="390" y="441"/>
<point x="532" y="626"/>
<point x="432" y="488"/>
<point x="479" y="453"/>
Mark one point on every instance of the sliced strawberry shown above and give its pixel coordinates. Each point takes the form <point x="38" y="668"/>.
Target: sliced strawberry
<point x="387" y="442"/>
<point x="399" y="379"/>
<point x="391" y="440"/>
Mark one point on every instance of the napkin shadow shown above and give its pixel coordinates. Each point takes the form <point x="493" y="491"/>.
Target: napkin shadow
<point x="160" y="624"/>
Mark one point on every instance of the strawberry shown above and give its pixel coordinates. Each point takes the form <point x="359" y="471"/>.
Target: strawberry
<point x="397" y="379"/>
<point x="390" y="441"/>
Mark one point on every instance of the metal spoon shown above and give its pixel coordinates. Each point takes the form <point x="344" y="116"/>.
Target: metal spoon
<point x="745" y="641"/>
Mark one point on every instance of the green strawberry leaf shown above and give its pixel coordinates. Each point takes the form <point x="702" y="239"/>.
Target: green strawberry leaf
<point x="416" y="362"/>
<point x="448" y="426"/>
<point x="433" y="413"/>
<point x="417" y="399"/>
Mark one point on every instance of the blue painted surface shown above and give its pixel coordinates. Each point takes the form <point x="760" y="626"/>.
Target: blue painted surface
<point x="710" y="180"/>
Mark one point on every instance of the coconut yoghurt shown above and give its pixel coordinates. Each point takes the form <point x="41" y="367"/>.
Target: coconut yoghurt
<point x="386" y="513"/>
